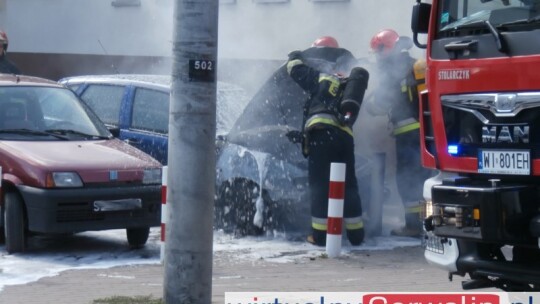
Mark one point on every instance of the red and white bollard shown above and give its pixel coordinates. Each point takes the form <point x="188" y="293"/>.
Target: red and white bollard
<point x="336" y="196"/>
<point x="163" y="211"/>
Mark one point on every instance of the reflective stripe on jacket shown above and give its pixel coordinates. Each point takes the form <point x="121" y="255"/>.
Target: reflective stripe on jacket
<point x="406" y="125"/>
<point x="326" y="119"/>
<point x="292" y="63"/>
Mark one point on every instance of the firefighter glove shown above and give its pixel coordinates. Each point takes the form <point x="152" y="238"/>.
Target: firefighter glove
<point x="295" y="136"/>
<point x="295" y="55"/>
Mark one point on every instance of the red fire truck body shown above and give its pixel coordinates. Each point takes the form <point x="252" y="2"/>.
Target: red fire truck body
<point x="518" y="74"/>
<point x="480" y="127"/>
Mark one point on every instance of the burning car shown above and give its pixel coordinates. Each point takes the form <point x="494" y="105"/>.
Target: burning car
<point x="262" y="179"/>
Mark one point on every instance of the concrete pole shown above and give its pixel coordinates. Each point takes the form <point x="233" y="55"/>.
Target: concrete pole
<point x="191" y="163"/>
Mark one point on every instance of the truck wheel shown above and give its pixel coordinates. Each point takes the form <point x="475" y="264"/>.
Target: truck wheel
<point x="137" y="237"/>
<point x="14" y="223"/>
<point x="235" y="208"/>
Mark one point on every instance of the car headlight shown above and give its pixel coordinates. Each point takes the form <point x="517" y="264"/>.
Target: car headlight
<point x="152" y="176"/>
<point x="63" y="180"/>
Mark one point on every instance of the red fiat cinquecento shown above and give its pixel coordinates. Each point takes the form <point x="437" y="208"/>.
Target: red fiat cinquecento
<point x="63" y="172"/>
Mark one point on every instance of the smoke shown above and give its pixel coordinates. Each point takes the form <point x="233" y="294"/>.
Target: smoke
<point x="270" y="31"/>
<point x="273" y="30"/>
<point x="267" y="33"/>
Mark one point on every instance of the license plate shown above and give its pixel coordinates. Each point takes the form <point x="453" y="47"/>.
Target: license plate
<point x="516" y="162"/>
<point x="118" y="205"/>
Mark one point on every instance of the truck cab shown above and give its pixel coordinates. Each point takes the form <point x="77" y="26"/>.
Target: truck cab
<point x="479" y="123"/>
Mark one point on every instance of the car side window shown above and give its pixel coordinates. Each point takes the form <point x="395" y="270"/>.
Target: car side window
<point x="151" y="111"/>
<point x="105" y="101"/>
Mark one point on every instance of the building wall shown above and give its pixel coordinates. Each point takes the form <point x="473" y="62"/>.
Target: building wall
<point x="58" y="38"/>
<point x="248" y="29"/>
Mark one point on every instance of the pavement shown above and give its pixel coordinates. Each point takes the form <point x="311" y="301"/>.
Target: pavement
<point x="400" y="269"/>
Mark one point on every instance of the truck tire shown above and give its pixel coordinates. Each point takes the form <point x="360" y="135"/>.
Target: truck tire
<point x="137" y="237"/>
<point x="14" y="223"/>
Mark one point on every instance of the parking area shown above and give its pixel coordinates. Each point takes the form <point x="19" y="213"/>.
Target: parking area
<point x="400" y="269"/>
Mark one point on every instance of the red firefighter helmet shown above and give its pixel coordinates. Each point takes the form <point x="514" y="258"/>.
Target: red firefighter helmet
<point x="383" y="42"/>
<point x="4" y="39"/>
<point x="327" y="41"/>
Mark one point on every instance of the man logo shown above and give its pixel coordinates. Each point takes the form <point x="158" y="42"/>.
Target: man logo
<point x="505" y="102"/>
<point x="505" y="134"/>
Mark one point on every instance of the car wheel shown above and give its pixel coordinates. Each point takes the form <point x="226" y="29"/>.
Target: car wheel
<point x="235" y="208"/>
<point x="137" y="237"/>
<point x="14" y="223"/>
<point x="288" y="216"/>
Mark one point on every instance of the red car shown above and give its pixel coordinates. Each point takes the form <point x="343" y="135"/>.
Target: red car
<point x="63" y="172"/>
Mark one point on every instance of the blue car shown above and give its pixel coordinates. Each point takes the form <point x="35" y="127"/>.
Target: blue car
<point x="136" y="107"/>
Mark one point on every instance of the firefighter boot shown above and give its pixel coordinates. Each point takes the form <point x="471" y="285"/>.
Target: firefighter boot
<point x="412" y="228"/>
<point x="356" y="236"/>
<point x="317" y="238"/>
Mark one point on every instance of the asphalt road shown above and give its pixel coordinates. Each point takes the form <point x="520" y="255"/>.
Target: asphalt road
<point x="400" y="269"/>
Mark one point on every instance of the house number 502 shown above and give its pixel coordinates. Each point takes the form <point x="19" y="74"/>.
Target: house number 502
<point x="203" y="65"/>
<point x="202" y="70"/>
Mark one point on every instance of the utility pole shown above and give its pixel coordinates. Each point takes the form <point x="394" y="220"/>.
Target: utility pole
<point x="191" y="171"/>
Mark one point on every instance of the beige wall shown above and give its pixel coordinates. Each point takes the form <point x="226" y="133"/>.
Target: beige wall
<point x="248" y="29"/>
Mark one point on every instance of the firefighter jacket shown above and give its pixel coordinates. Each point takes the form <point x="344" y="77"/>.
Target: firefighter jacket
<point x="326" y="92"/>
<point x="398" y="89"/>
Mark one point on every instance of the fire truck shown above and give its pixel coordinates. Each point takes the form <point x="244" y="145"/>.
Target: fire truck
<point x="480" y="127"/>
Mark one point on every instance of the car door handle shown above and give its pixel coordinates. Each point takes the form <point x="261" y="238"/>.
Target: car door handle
<point x="132" y="141"/>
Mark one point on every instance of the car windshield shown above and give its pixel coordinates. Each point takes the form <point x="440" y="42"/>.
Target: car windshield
<point x="455" y="14"/>
<point x="27" y="112"/>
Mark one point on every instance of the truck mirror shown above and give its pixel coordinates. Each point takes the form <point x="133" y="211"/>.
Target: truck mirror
<point x="420" y="21"/>
<point x="420" y="18"/>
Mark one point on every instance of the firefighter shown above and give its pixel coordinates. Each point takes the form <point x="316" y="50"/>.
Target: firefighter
<point x="401" y="77"/>
<point x="329" y="113"/>
<point x="6" y="66"/>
